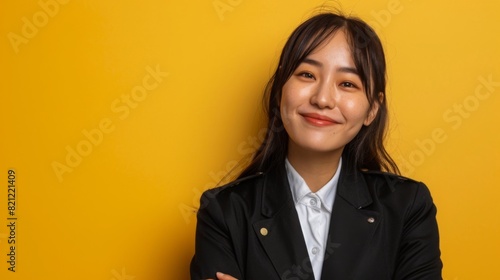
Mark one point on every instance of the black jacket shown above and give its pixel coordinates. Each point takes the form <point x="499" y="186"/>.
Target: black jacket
<point x="382" y="226"/>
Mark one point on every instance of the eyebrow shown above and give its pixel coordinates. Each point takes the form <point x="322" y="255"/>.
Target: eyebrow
<point x="312" y="62"/>
<point x="348" y="70"/>
<point x="341" y="69"/>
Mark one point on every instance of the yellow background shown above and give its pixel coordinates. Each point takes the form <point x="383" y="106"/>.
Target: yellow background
<point x="125" y="210"/>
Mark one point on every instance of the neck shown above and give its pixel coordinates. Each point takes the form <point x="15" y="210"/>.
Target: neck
<point x="316" y="168"/>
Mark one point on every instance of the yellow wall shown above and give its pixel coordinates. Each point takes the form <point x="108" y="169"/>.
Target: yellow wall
<point x="116" y="115"/>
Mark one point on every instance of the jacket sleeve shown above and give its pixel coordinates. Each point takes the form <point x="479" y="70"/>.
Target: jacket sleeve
<point x="214" y="251"/>
<point x="419" y="254"/>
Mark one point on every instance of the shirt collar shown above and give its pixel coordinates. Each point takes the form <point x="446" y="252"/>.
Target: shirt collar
<point x="300" y="189"/>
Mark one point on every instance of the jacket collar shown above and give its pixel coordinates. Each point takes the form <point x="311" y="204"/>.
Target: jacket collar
<point x="351" y="186"/>
<point x="276" y="193"/>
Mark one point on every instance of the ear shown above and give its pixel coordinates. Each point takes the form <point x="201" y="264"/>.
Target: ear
<point x="374" y="109"/>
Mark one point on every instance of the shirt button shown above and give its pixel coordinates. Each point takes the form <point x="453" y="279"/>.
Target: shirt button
<point x="312" y="201"/>
<point x="315" y="250"/>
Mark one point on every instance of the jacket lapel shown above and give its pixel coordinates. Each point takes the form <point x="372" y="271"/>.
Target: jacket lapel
<point x="351" y="226"/>
<point x="280" y="233"/>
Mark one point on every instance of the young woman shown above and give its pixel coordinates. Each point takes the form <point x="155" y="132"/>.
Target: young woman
<point x="318" y="200"/>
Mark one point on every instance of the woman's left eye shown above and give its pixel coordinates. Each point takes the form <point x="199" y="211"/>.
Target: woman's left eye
<point x="348" y="85"/>
<point x="307" y="75"/>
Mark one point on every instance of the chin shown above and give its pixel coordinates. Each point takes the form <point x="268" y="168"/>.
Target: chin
<point x="319" y="147"/>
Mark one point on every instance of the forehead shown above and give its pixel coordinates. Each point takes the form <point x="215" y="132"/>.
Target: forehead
<point x="334" y="48"/>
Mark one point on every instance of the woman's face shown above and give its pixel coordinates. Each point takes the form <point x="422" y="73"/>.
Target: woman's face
<point x="323" y="104"/>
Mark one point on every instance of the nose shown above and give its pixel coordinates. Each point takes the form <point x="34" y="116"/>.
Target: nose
<point x="324" y="96"/>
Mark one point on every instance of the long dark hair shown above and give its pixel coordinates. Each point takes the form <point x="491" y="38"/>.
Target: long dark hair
<point x="366" y="150"/>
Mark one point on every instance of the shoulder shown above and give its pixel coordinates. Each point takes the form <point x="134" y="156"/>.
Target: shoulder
<point x="241" y="187"/>
<point x="390" y="180"/>
<point x="391" y="186"/>
<point x="237" y="185"/>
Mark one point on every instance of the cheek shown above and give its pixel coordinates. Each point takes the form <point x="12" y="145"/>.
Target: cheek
<point x="294" y="95"/>
<point x="286" y="103"/>
<point x="286" y="113"/>
<point x="356" y="109"/>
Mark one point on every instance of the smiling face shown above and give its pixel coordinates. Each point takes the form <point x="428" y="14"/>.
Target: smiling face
<point x="323" y="104"/>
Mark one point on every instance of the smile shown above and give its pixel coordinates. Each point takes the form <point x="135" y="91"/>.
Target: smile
<point x="318" y="120"/>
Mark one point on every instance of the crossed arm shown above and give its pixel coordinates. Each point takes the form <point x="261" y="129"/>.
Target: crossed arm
<point x="222" y="276"/>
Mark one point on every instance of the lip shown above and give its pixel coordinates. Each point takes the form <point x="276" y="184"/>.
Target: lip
<point x="318" y="120"/>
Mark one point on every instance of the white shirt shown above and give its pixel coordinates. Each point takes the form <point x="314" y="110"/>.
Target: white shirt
<point x="314" y="211"/>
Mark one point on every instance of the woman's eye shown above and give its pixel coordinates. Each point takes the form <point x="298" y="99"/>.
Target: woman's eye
<point x="348" y="85"/>
<point x="306" y="75"/>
